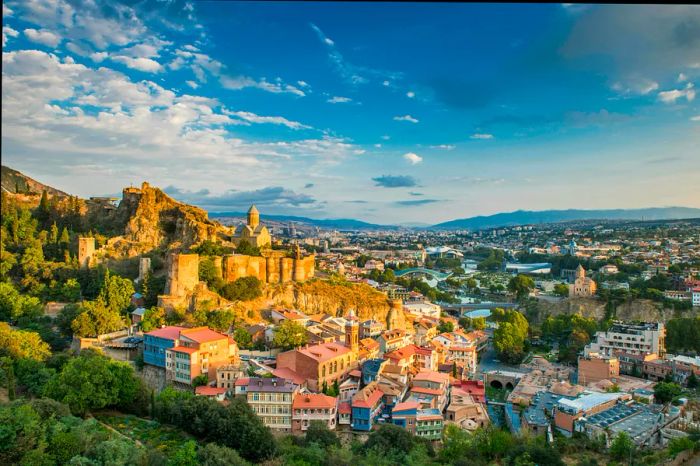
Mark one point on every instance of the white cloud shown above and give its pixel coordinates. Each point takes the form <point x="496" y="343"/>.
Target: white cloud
<point x="146" y="65"/>
<point x="635" y="85"/>
<point x="192" y="84"/>
<point x="406" y="118"/>
<point x="275" y="120"/>
<point x="7" y="31"/>
<point x="386" y="137"/>
<point x="413" y="158"/>
<point x="43" y="37"/>
<point x="682" y="77"/>
<point x="670" y="97"/>
<point x="277" y="87"/>
<point x="6" y="11"/>
<point x="443" y="147"/>
<point x="386" y="83"/>
<point x="99" y="57"/>
<point x="481" y="136"/>
<point x="378" y="146"/>
<point x="339" y="100"/>
<point x="410" y="94"/>
<point x="695" y="118"/>
<point x="303" y="84"/>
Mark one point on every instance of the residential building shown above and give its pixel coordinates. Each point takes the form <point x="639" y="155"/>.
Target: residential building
<point x="431" y="389"/>
<point x="370" y="329"/>
<point x="271" y="399"/>
<point x="227" y="375"/>
<point x="567" y="411"/>
<point x="367" y="407"/>
<point x="319" y="364"/>
<point x="308" y="407"/>
<point x="393" y="339"/>
<point x="215" y="393"/>
<point x="594" y="368"/>
<point x="465" y="412"/>
<point x="425" y="423"/>
<point x="632" y="338"/>
<point x="157" y="342"/>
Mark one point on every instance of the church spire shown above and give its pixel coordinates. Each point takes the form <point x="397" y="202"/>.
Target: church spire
<point x="253" y="217"/>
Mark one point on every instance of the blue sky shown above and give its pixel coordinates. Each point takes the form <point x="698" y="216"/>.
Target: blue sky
<point x="388" y="113"/>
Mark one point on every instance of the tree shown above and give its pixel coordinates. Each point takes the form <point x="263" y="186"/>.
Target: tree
<point x="95" y="318"/>
<point x="20" y="344"/>
<point x="243" y="289"/>
<point x="216" y="455"/>
<point x="445" y="326"/>
<point x="247" y="249"/>
<point x="153" y="318"/>
<point x="622" y="447"/>
<point x="665" y="392"/>
<point x="14" y="305"/>
<point x="116" y="292"/>
<point x="289" y="334"/>
<point x="521" y="285"/>
<point x="319" y="433"/>
<point x="186" y="455"/>
<point x="692" y="381"/>
<point x="221" y="319"/>
<point x="93" y="381"/>
<point x="478" y="323"/>
<point x="561" y="289"/>
<point x="200" y="380"/>
<point x="679" y="444"/>
<point x="243" y="338"/>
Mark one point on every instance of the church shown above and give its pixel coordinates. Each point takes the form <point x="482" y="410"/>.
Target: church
<point x="583" y="286"/>
<point x="253" y="232"/>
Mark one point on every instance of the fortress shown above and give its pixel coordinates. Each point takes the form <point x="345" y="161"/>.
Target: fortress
<point x="183" y="287"/>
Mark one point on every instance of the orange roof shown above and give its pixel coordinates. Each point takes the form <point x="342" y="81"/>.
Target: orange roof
<point x="324" y="351"/>
<point x="344" y="408"/>
<point x="402" y="353"/>
<point x="206" y="390"/>
<point x="406" y="405"/>
<point x="170" y="333"/>
<point x="287" y="373"/>
<point x="469" y="349"/>
<point x="202" y="334"/>
<point x="314" y="401"/>
<point x="368" y="396"/>
<point x="184" y="349"/>
<point x="369" y="343"/>
<point x="432" y="376"/>
<point x="427" y="391"/>
<point x="242" y="381"/>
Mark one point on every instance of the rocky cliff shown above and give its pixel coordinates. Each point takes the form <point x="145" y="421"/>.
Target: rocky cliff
<point x="148" y="219"/>
<point x="635" y="309"/>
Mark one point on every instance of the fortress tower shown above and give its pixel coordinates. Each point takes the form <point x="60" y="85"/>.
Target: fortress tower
<point x="86" y="251"/>
<point x="395" y="318"/>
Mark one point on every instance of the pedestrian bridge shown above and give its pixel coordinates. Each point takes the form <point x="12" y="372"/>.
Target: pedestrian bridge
<point x="436" y="274"/>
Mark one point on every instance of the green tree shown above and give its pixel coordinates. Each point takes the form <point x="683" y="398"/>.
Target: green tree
<point x="665" y="392"/>
<point x="221" y="319"/>
<point x="14" y="305"/>
<point x="561" y="289"/>
<point x="319" y="433"/>
<point x="116" y="292"/>
<point x="243" y="289"/>
<point x="95" y="318"/>
<point x="680" y="444"/>
<point x="243" y="338"/>
<point x="445" y="326"/>
<point x="216" y="455"/>
<point x="153" y="318"/>
<point x="247" y="249"/>
<point x="622" y="447"/>
<point x="521" y="286"/>
<point x="186" y="455"/>
<point x="22" y="344"/>
<point x="200" y="380"/>
<point x="289" y="334"/>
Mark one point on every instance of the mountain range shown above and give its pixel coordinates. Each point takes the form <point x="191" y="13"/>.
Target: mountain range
<point x="15" y="182"/>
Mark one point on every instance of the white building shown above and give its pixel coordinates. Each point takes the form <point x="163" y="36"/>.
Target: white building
<point x="641" y="339"/>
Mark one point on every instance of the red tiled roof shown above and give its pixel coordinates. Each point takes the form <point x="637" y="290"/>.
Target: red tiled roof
<point x="206" y="390"/>
<point x="242" y="381"/>
<point x="401" y="353"/>
<point x="406" y="405"/>
<point x="313" y="401"/>
<point x="184" y="349"/>
<point x="432" y="376"/>
<point x="344" y="408"/>
<point x="427" y="391"/>
<point x="171" y="332"/>
<point x="324" y="351"/>
<point x="287" y="373"/>
<point x="202" y="334"/>
<point x="368" y="396"/>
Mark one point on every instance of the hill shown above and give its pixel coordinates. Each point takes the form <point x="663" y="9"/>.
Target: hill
<point x="527" y="217"/>
<point x="15" y="182"/>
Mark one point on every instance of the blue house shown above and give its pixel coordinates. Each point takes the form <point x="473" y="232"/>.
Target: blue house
<point x="371" y="370"/>
<point x="367" y="407"/>
<point x="155" y="344"/>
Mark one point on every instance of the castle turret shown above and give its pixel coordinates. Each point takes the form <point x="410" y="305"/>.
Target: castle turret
<point x="352" y="331"/>
<point x="253" y="217"/>
<point x="86" y="251"/>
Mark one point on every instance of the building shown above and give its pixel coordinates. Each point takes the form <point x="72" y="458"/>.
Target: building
<point x="632" y="338"/>
<point x="157" y="342"/>
<point x="583" y="287"/>
<point x="567" y="411"/>
<point x="367" y="407"/>
<point x="370" y="329"/>
<point x="608" y="269"/>
<point x="425" y="423"/>
<point x="393" y="339"/>
<point x="431" y="389"/>
<point x="320" y="364"/>
<point x="227" y="375"/>
<point x="308" y="407"/>
<point x="465" y="412"/>
<point x="253" y="232"/>
<point x="594" y="368"/>
<point x="215" y="393"/>
<point x="271" y="399"/>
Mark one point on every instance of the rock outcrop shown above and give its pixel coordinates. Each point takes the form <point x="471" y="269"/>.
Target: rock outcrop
<point x="635" y="309"/>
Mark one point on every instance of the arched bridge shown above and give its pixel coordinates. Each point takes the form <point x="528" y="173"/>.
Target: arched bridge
<point x="436" y="274"/>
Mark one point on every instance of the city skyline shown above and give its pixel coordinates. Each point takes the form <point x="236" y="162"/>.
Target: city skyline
<point x="382" y="112"/>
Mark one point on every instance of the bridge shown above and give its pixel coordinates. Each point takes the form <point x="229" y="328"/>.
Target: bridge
<point x="436" y="274"/>
<point x="460" y="309"/>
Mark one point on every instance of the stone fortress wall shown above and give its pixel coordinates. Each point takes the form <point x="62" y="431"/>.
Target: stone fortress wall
<point x="272" y="267"/>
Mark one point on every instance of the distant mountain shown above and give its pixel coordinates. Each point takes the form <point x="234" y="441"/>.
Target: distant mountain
<point x="527" y="217"/>
<point x="337" y="223"/>
<point x="15" y="182"/>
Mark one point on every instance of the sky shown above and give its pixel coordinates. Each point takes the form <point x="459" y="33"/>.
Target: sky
<point x="386" y="112"/>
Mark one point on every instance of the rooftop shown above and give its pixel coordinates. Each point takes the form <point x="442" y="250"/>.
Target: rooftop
<point x="324" y="351"/>
<point x="314" y="401"/>
<point x="589" y="401"/>
<point x="272" y="384"/>
<point x="202" y="334"/>
<point x="171" y="332"/>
